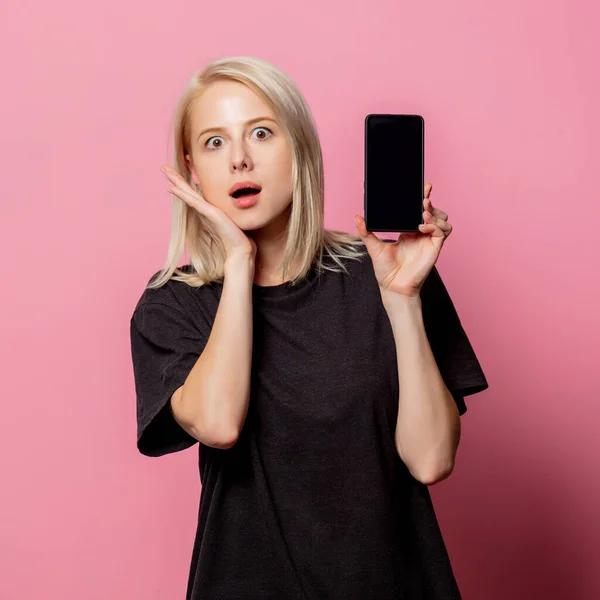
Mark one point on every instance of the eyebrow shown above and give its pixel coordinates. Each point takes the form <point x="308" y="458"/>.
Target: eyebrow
<point x="221" y="129"/>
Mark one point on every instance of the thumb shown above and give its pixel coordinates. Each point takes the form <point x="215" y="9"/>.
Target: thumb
<point x="370" y="240"/>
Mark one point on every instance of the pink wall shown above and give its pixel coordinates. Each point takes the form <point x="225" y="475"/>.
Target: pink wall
<point x="510" y="100"/>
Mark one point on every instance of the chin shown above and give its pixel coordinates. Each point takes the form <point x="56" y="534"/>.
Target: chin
<point x="259" y="217"/>
<point x="247" y="221"/>
<point x="251" y="224"/>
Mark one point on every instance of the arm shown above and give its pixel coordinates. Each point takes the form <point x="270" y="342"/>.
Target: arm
<point x="428" y="426"/>
<point x="213" y="402"/>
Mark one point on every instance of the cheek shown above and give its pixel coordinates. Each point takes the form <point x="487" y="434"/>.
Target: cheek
<point x="282" y="168"/>
<point x="211" y="183"/>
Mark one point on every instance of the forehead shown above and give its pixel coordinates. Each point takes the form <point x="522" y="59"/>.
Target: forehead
<point x="227" y="104"/>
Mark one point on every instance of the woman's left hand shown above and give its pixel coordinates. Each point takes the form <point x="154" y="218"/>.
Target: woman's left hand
<point x="402" y="266"/>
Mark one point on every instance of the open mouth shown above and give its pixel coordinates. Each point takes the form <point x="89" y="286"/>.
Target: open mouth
<point x="245" y="192"/>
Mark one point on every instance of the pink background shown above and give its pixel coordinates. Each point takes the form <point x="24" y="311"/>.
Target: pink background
<point x="510" y="101"/>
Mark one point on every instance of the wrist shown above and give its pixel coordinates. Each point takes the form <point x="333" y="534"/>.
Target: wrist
<point x="239" y="266"/>
<point x="401" y="308"/>
<point x="407" y="301"/>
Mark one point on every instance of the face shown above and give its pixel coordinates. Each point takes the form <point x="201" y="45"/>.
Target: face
<point x="235" y="138"/>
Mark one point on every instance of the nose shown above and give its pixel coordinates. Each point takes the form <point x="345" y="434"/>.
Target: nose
<point x="240" y="158"/>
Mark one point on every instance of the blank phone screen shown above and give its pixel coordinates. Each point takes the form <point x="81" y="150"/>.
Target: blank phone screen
<point x="394" y="172"/>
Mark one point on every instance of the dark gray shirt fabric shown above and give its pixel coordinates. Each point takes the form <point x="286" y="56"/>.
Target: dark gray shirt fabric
<point x="313" y="501"/>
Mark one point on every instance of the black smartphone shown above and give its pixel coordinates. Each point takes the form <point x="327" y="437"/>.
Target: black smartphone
<point x="394" y="167"/>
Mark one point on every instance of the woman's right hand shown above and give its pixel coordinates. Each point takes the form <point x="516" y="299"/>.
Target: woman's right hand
<point x="234" y="240"/>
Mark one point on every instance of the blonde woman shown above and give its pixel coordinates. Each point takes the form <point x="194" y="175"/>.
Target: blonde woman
<point x="323" y="374"/>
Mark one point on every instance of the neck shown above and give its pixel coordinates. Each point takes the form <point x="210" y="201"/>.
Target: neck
<point x="270" y="245"/>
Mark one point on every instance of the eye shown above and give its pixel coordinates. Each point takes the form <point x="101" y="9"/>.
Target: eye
<point x="215" y="138"/>
<point x="264" y="131"/>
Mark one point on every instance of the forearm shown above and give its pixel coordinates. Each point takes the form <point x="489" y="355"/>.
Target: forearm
<point x="428" y="425"/>
<point x="213" y="403"/>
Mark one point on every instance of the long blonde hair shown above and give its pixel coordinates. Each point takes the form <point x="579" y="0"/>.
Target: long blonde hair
<point x="308" y="243"/>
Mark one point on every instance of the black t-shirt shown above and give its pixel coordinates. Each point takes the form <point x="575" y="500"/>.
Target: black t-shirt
<point x="313" y="501"/>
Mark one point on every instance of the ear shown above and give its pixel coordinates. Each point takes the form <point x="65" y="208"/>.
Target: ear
<point x="190" y="166"/>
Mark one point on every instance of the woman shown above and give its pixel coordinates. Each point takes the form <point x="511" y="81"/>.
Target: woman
<point x="323" y="374"/>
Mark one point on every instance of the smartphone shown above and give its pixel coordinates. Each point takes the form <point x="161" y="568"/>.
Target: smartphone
<point x="394" y="170"/>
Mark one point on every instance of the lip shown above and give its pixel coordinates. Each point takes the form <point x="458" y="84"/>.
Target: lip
<point x="246" y="201"/>
<point x="243" y="184"/>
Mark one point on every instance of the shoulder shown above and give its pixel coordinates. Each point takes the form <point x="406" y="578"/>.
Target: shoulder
<point x="364" y="264"/>
<point x="166" y="294"/>
<point x="360" y="270"/>
<point x="355" y="263"/>
<point x="174" y="294"/>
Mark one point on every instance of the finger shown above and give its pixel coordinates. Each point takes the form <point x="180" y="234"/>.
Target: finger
<point x="436" y="212"/>
<point x="441" y="223"/>
<point x="183" y="190"/>
<point x="444" y="226"/>
<point x="428" y="188"/>
<point x="192" y="199"/>
<point x="432" y="229"/>
<point x="370" y="240"/>
<point x="174" y="177"/>
<point x="170" y="173"/>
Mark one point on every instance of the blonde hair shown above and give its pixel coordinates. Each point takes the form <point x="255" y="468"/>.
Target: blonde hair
<point x="308" y="243"/>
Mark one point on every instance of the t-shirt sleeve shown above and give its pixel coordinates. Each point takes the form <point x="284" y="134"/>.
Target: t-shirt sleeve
<point x="165" y="345"/>
<point x="453" y="352"/>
